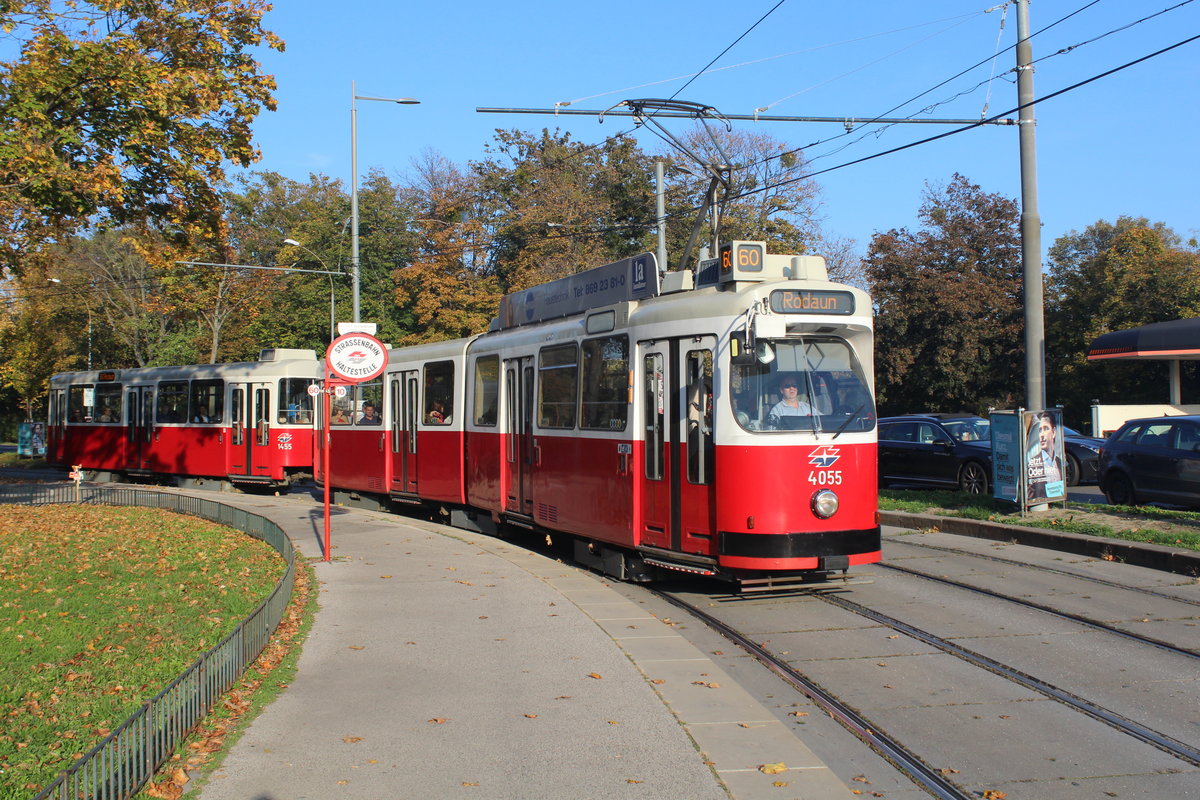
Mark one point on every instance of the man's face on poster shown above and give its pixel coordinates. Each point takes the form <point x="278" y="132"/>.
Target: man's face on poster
<point x="1045" y="435"/>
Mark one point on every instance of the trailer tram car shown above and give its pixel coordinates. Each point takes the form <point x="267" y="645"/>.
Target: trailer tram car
<point x="248" y="423"/>
<point x="644" y="416"/>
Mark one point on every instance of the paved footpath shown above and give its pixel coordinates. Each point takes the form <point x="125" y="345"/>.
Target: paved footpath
<point x="448" y="665"/>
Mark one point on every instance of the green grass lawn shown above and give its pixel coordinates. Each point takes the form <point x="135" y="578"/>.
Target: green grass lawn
<point x="100" y="608"/>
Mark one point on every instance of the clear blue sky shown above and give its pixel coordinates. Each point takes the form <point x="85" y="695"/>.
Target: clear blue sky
<point x="1125" y="144"/>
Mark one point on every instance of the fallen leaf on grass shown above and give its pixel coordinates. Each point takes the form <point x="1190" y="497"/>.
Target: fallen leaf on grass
<point x="994" y="794"/>
<point x="351" y="739"/>
<point x="780" y="784"/>
<point x="531" y="716"/>
<point x="439" y="720"/>
<point x="357" y="647"/>
<point x="799" y="714"/>
<point x="595" y="675"/>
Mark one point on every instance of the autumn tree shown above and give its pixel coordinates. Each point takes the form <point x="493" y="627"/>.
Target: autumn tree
<point x="132" y="317"/>
<point x="448" y="287"/>
<point x="948" y="328"/>
<point x="1110" y="277"/>
<point x="125" y="111"/>
<point x="554" y="206"/>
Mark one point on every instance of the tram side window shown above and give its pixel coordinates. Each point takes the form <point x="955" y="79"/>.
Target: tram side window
<point x="108" y="403"/>
<point x="295" y="403"/>
<point x="368" y="399"/>
<point x="439" y="392"/>
<point x="208" y="399"/>
<point x="487" y="390"/>
<point x="558" y="378"/>
<point x="605" y="383"/>
<point x="94" y="403"/>
<point x="172" y="401"/>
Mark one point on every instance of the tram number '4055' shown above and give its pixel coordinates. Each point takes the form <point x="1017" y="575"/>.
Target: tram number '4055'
<point x="825" y="477"/>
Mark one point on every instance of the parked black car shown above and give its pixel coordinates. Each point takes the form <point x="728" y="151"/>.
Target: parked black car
<point x="1082" y="453"/>
<point x="943" y="450"/>
<point x="1153" y="460"/>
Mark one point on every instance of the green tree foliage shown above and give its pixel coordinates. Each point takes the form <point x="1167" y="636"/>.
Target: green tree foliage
<point x="124" y="110"/>
<point x="949" y="314"/>
<point x="262" y="211"/>
<point x="448" y="288"/>
<point x="1111" y="277"/>
<point x="555" y="207"/>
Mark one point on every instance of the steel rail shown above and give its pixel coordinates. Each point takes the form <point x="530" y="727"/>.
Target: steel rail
<point x="1051" y="570"/>
<point x="1056" y="612"/>
<point x="918" y="771"/>
<point x="1163" y="742"/>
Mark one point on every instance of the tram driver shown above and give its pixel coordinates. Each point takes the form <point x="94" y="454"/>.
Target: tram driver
<point x="793" y="404"/>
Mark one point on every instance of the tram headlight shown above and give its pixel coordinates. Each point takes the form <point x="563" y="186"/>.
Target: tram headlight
<point x="825" y="504"/>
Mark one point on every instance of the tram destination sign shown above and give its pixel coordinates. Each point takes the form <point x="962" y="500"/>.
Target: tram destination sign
<point x="633" y="278"/>
<point x="812" y="301"/>
<point x="356" y="357"/>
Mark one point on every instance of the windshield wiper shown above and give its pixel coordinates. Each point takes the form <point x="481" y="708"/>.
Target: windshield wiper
<point x="853" y="416"/>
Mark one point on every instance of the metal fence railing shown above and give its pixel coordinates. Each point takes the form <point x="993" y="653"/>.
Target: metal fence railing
<point x="127" y="758"/>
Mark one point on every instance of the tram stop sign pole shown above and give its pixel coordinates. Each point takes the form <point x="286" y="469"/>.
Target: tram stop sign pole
<point x="351" y="359"/>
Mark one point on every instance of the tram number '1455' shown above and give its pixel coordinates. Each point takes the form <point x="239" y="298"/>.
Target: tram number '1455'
<point x="825" y="477"/>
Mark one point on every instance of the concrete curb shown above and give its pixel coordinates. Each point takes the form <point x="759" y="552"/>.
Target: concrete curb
<point x="1142" y="554"/>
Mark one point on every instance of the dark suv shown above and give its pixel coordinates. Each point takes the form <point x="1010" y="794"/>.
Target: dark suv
<point x="1153" y="460"/>
<point x="944" y="450"/>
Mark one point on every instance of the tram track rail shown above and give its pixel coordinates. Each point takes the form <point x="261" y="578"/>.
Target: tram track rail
<point x="1050" y="570"/>
<point x="1055" y="612"/>
<point x="1174" y="747"/>
<point x="889" y="747"/>
<point x="927" y="777"/>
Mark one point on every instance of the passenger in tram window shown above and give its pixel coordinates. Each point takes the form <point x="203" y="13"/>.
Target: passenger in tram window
<point x="436" y="415"/>
<point x="370" y="415"/>
<point x="106" y="415"/>
<point x="792" y="404"/>
<point x="340" y="417"/>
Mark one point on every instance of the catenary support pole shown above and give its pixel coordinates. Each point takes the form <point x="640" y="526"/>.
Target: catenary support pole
<point x="1031" y="223"/>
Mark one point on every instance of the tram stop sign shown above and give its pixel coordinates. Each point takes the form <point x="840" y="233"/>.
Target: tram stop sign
<point x="356" y="357"/>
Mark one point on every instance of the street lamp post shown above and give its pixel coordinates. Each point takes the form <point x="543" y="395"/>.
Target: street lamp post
<point x="354" y="270"/>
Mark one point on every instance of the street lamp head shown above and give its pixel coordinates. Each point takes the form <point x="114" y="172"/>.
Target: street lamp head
<point x="292" y="242"/>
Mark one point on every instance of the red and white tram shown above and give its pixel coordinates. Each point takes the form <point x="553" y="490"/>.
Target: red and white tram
<point x="249" y="423"/>
<point x="721" y="424"/>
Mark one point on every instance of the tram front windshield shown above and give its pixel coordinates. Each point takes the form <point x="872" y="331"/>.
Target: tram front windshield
<point x="808" y="383"/>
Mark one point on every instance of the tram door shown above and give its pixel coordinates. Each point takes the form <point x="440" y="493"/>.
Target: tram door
<point x="56" y="430"/>
<point x="679" y="470"/>
<point x="404" y="402"/>
<point x="520" y="454"/>
<point x="249" y="429"/>
<point x="139" y="427"/>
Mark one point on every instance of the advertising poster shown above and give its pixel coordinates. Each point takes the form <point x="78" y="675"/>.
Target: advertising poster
<point x="1045" y="478"/>
<point x="1007" y="449"/>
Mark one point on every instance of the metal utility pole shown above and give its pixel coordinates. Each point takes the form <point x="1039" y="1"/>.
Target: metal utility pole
<point x="660" y="212"/>
<point x="1031" y="223"/>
